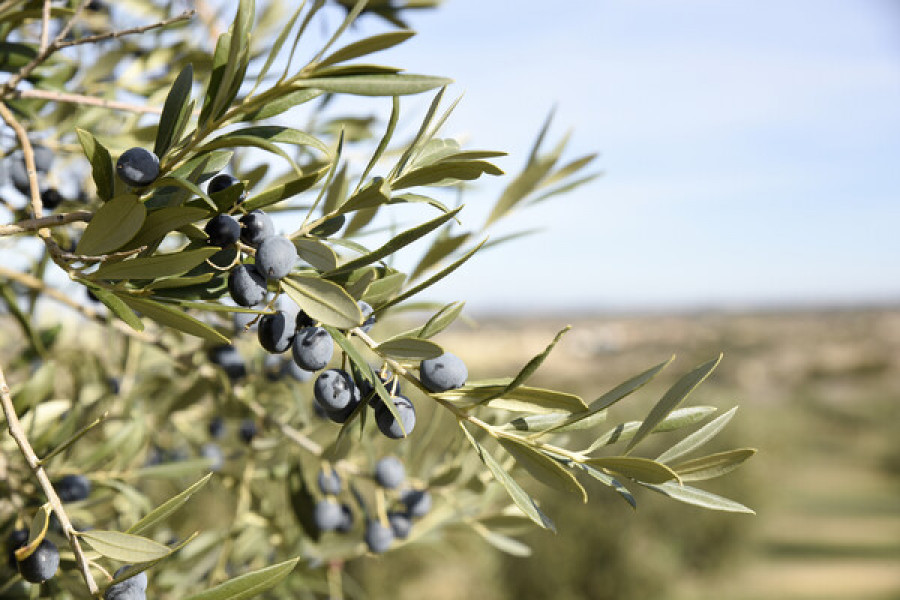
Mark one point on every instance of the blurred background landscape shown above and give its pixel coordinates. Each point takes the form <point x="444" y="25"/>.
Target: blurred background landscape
<point x="748" y="205"/>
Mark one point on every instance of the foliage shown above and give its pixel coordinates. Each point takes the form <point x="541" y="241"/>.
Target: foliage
<point x="131" y="408"/>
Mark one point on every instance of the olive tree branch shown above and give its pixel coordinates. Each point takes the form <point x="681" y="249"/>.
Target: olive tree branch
<point x="37" y="207"/>
<point x="110" y="35"/>
<point x="28" y="152"/>
<point x="286" y="430"/>
<point x="29" y="225"/>
<point x="45" y="25"/>
<point x="18" y="434"/>
<point x="84" y="100"/>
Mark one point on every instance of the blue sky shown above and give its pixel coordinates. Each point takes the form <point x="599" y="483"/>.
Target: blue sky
<point x="750" y="148"/>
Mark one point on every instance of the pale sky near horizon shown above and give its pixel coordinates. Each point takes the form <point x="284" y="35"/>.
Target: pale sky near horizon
<point x="750" y="148"/>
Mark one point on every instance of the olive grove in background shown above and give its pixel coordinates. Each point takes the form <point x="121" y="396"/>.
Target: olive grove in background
<point x="173" y="421"/>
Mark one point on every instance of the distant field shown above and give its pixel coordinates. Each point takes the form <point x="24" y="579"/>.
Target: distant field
<point x="820" y="398"/>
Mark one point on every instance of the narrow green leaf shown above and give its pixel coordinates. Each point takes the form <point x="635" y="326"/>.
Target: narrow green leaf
<point x="639" y="469"/>
<point x="151" y="267"/>
<point x="179" y="282"/>
<point x="216" y="75"/>
<point x="316" y="253"/>
<point x="564" y="189"/>
<point x="323" y="300"/>
<point x="515" y="491"/>
<point x="523" y="398"/>
<point x="441" y="319"/>
<point x="385" y="288"/>
<point x="420" y="135"/>
<point x="519" y="188"/>
<point x="442" y="247"/>
<point x="609" y="481"/>
<point x="176" y="102"/>
<point x="263" y="136"/>
<point x="67" y="443"/>
<point x="357" y="287"/>
<point x="165" y="509"/>
<point x="376" y="194"/>
<point x="250" y="584"/>
<point x="409" y="349"/>
<point x="172" y="470"/>
<point x="141" y="567"/>
<point x="698" y="438"/>
<point x="614" y="395"/>
<point x="279" y="43"/>
<point x="336" y="188"/>
<point x="101" y="164"/>
<point x="681" y="417"/>
<point x="112" y="226"/>
<point x="400" y="84"/>
<point x="445" y="173"/>
<point x="399" y="241"/>
<point x="367" y="46"/>
<point x="283" y="103"/>
<point x="36" y="533"/>
<point x="385" y="140"/>
<point x="303" y="502"/>
<point x="504" y="543"/>
<point x="283" y="191"/>
<point x="542" y="424"/>
<point x="172" y="317"/>
<point x="542" y="467"/>
<point x="352" y="14"/>
<point x="529" y="369"/>
<point x="123" y="546"/>
<point x="14" y="56"/>
<point x="185" y="184"/>
<point x="431" y="280"/>
<point x="119" y="308"/>
<point x="713" y="465"/>
<point x="698" y="497"/>
<point x="671" y="400"/>
<point x="164" y="220"/>
<point x="569" y="169"/>
<point x="238" y="57"/>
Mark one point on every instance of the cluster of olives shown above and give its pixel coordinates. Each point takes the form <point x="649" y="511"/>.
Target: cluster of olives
<point x="43" y="563"/>
<point x="332" y="515"/>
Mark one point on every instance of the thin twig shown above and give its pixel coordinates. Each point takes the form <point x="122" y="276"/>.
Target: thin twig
<point x="45" y="26"/>
<point x="51" y="221"/>
<point x="100" y="258"/>
<point x="58" y="43"/>
<point x="71" y="22"/>
<point x="28" y="153"/>
<point x="288" y="431"/>
<point x="111" y="35"/>
<point x="85" y="100"/>
<point x="18" y="434"/>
